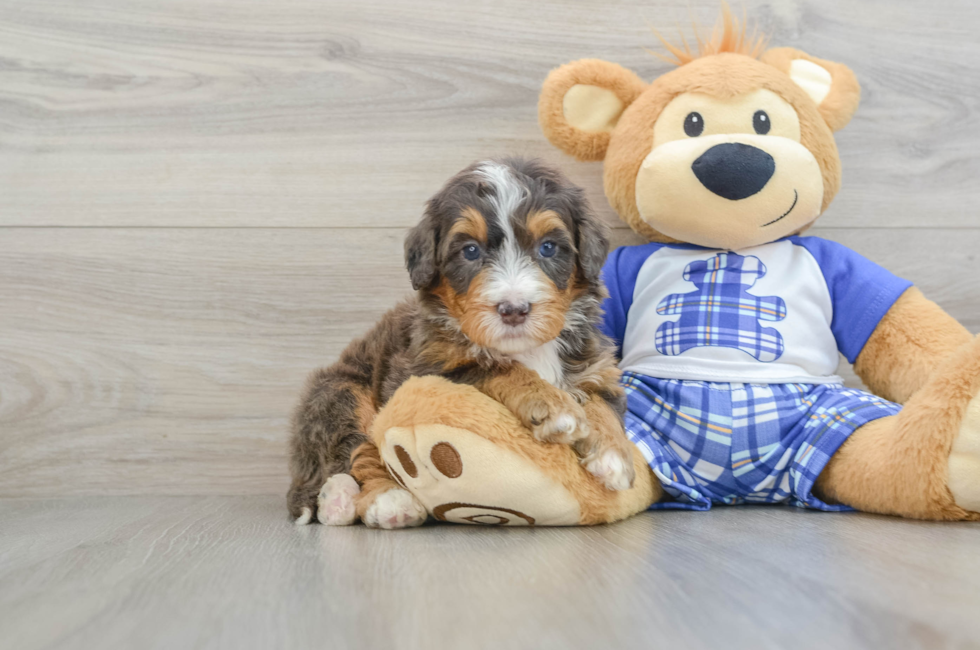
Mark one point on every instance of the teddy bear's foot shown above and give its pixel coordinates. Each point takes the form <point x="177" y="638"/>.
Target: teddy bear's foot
<point x="964" y="460"/>
<point x="922" y="463"/>
<point x="396" y="508"/>
<point x="612" y="468"/>
<point x="335" y="503"/>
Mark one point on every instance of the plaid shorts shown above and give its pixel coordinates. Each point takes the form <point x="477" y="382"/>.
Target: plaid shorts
<point x="743" y="443"/>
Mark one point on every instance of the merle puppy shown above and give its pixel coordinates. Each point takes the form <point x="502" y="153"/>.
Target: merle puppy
<point x="506" y="264"/>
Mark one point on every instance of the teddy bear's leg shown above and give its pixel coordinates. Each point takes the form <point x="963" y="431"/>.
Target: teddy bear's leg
<point x="924" y="462"/>
<point x="382" y="503"/>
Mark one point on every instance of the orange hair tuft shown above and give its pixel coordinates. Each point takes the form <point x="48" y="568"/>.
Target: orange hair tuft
<point x="728" y="35"/>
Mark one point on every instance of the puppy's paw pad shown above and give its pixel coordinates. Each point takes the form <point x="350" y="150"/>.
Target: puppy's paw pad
<point x="305" y="517"/>
<point x="335" y="503"/>
<point x="612" y="469"/>
<point x="395" y="508"/>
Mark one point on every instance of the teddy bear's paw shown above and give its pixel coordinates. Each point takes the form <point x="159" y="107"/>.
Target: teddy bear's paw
<point x="555" y="418"/>
<point x="612" y="468"/>
<point x="964" y="460"/>
<point x="335" y="503"/>
<point x="396" y="508"/>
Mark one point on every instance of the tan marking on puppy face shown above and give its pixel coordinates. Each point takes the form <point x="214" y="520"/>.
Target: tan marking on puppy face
<point x="549" y="319"/>
<point x="542" y="223"/>
<point x="470" y="310"/>
<point x="470" y="223"/>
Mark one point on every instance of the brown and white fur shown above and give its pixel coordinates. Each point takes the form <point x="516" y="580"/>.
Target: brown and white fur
<point x="506" y="264"/>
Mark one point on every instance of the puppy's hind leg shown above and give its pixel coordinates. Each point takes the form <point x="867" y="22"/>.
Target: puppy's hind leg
<point x="327" y="426"/>
<point x="382" y="503"/>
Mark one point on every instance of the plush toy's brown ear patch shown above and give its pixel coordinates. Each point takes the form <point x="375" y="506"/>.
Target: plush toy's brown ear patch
<point x="832" y="86"/>
<point x="581" y="103"/>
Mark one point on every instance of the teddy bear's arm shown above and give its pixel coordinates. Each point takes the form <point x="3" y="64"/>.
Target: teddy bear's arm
<point x="910" y="341"/>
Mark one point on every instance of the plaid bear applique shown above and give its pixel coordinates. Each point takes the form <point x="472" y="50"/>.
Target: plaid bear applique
<point x="722" y="312"/>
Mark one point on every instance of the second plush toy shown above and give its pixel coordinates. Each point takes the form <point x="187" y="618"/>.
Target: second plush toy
<point x="729" y="322"/>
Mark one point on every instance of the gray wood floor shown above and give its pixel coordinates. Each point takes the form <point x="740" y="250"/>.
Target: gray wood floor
<point x="231" y="572"/>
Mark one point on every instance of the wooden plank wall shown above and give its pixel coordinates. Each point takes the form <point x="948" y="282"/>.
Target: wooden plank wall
<point x="200" y="200"/>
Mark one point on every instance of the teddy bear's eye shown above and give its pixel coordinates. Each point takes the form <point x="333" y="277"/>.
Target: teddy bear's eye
<point x="761" y="122"/>
<point x="693" y="124"/>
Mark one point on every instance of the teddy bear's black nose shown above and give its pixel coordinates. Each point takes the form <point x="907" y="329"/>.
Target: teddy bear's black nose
<point x="734" y="170"/>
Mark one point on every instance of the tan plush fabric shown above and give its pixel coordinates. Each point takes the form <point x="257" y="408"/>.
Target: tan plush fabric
<point x="900" y="465"/>
<point x="583" y="144"/>
<point x="504" y="470"/>
<point x="964" y="460"/>
<point x="591" y="109"/>
<point x="923" y="463"/>
<point x="843" y="97"/>
<point x="907" y="346"/>
<point x="723" y="77"/>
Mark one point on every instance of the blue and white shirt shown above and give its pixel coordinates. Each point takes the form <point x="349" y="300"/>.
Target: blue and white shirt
<point x="775" y="313"/>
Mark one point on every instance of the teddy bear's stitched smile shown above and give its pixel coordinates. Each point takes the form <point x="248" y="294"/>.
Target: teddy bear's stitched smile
<point x="796" y="197"/>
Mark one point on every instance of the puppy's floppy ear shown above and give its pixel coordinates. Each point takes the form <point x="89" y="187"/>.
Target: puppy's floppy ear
<point x="832" y="86"/>
<point x="581" y="102"/>
<point x="420" y="253"/>
<point x="591" y="238"/>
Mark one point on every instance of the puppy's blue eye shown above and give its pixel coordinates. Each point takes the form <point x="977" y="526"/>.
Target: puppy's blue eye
<point x="471" y="252"/>
<point x="548" y="249"/>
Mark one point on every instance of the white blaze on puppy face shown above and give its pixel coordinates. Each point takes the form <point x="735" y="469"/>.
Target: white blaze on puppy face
<point x="513" y="276"/>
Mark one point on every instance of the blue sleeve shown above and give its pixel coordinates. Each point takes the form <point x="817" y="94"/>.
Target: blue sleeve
<point x="619" y="275"/>
<point x="861" y="292"/>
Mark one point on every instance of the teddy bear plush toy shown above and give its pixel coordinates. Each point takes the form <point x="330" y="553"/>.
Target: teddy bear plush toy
<point x="729" y="322"/>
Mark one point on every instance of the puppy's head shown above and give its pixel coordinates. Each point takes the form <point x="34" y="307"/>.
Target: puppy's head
<point x="505" y="248"/>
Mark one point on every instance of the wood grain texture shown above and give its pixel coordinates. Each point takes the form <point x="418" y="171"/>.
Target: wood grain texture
<point x="167" y="361"/>
<point x="333" y="113"/>
<point x="232" y="572"/>
<point x="200" y="201"/>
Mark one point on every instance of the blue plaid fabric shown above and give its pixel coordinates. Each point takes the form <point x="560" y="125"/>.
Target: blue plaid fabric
<point x="743" y="443"/>
<point x="722" y="312"/>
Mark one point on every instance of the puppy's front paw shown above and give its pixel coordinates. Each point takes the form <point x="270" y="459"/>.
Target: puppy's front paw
<point x="335" y="503"/>
<point x="395" y="508"/>
<point x="554" y="416"/>
<point x="612" y="467"/>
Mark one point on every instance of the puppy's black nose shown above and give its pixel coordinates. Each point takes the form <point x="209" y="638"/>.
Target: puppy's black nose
<point x="513" y="314"/>
<point x="734" y="170"/>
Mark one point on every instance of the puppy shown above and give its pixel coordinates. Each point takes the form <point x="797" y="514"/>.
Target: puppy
<point x="506" y="264"/>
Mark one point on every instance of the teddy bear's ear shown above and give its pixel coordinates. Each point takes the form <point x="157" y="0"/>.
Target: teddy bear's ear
<point x="581" y="102"/>
<point x="831" y="85"/>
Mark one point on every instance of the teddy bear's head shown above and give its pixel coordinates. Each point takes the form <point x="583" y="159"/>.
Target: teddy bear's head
<point x="732" y="149"/>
